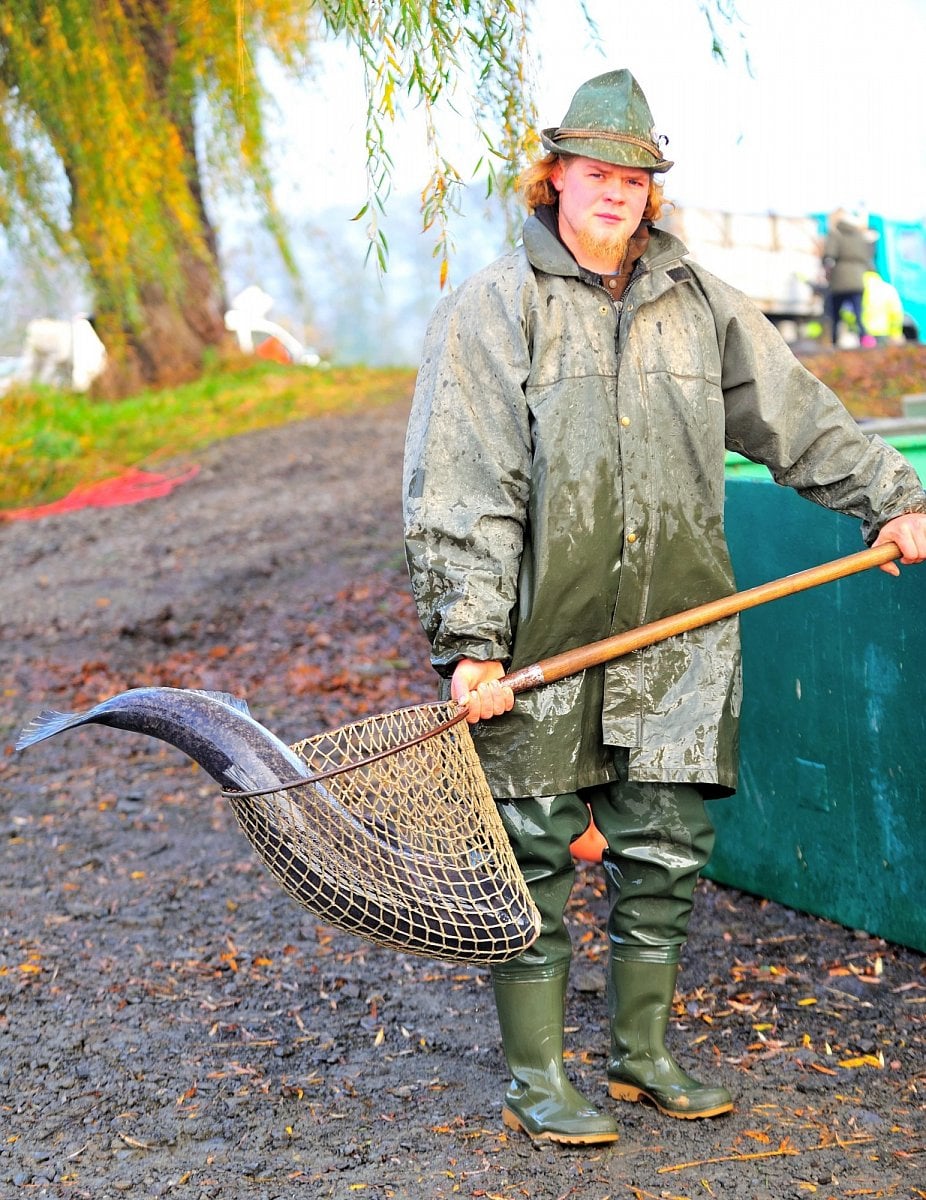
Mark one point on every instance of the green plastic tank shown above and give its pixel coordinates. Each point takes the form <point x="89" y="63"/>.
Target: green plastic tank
<point x="830" y="816"/>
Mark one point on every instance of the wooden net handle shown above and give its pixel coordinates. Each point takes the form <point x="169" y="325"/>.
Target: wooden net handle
<point x="571" y="662"/>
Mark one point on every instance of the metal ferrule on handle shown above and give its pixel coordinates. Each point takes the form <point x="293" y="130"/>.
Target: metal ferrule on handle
<point x="571" y="662"/>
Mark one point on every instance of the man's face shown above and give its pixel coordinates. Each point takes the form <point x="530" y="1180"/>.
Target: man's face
<point x="600" y="207"/>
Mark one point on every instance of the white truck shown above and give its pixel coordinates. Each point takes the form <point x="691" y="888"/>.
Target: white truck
<point x="776" y="261"/>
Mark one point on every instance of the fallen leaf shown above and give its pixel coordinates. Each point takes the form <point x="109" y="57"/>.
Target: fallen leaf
<point x="863" y="1060"/>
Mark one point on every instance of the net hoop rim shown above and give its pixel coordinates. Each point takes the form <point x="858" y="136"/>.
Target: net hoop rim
<point x="454" y="719"/>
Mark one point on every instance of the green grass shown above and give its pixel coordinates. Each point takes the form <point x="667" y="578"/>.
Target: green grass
<point x="51" y="442"/>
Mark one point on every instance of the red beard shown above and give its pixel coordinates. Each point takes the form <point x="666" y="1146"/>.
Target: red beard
<point x="612" y="248"/>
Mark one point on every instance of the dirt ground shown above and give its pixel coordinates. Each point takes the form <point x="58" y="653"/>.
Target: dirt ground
<point x="173" y="1025"/>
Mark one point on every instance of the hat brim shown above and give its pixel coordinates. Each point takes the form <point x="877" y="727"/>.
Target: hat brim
<point x="620" y="154"/>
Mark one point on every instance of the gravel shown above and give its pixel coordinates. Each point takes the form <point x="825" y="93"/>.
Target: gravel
<point x="173" y="1025"/>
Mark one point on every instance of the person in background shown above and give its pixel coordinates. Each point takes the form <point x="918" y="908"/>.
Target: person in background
<point x="882" y="311"/>
<point x="847" y="255"/>
<point x="564" y="481"/>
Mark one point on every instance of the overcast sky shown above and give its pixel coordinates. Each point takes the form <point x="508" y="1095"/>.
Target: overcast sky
<point x="832" y="113"/>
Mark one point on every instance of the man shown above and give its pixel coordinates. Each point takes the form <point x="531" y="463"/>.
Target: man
<point x="847" y="256"/>
<point x="565" y="481"/>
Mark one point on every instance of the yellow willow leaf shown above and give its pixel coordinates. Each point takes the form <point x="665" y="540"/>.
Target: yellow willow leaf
<point x="124" y="92"/>
<point x="863" y="1060"/>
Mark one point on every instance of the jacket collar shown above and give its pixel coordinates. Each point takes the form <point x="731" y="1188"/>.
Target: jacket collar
<point x="547" y="253"/>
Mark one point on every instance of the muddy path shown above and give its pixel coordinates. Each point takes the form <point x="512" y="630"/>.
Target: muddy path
<point x="172" y="1024"/>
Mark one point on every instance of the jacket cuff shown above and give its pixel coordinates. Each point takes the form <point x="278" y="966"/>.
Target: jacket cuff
<point x="872" y="531"/>
<point x="444" y="662"/>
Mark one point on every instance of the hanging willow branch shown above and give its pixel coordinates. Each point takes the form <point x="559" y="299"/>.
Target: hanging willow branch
<point x="103" y="93"/>
<point x="114" y="113"/>
<point x="426" y="56"/>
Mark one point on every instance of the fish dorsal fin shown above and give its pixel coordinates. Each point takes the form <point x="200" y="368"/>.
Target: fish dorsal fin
<point x="227" y="698"/>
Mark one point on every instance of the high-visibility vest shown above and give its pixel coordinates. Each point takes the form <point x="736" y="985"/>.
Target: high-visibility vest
<point x="882" y="311"/>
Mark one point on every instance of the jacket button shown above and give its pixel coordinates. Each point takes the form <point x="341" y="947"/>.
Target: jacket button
<point x="604" y="310"/>
<point x="625" y="421"/>
<point x="631" y="537"/>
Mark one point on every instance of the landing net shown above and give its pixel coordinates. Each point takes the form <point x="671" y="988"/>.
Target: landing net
<point x="396" y="838"/>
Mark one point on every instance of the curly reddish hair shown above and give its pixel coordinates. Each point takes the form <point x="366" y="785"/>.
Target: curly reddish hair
<point x="536" y="188"/>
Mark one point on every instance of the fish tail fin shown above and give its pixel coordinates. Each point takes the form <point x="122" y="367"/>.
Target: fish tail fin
<point x="46" y="725"/>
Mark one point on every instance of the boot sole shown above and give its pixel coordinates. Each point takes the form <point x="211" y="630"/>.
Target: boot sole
<point x="512" y="1121"/>
<point x="627" y="1091"/>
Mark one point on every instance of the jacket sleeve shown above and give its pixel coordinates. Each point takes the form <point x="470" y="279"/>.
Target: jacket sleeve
<point x="467" y="470"/>
<point x="779" y="414"/>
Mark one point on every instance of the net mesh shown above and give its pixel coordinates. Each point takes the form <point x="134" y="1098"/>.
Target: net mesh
<point x="402" y="843"/>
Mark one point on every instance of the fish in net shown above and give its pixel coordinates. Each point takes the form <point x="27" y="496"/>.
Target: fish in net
<point x="384" y="828"/>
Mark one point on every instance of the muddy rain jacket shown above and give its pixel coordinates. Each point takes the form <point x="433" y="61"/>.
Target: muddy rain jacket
<point x="564" y="482"/>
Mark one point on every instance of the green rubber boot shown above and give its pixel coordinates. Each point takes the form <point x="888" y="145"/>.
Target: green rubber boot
<point x="640" y="1066"/>
<point x="540" y="1100"/>
<point x="659" y="838"/>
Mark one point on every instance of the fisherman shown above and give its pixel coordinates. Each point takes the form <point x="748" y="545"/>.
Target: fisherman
<point x="564" y="481"/>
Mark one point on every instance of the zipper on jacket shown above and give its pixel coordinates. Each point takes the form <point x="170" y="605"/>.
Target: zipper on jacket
<point x="617" y="305"/>
<point x="638" y="272"/>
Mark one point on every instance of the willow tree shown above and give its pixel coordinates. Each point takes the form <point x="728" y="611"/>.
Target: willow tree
<point x="115" y="115"/>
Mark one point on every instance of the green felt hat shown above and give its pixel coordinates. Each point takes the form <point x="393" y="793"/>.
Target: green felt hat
<point x="609" y="120"/>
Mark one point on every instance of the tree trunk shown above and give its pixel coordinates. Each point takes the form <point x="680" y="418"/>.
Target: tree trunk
<point x="181" y="318"/>
<point x="176" y="330"/>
